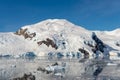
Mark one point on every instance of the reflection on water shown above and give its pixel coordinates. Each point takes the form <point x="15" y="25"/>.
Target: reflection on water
<point x="74" y="68"/>
<point x="94" y="68"/>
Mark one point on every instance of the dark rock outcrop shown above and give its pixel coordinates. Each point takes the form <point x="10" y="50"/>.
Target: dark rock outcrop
<point x="118" y="44"/>
<point x="99" y="44"/>
<point x="86" y="54"/>
<point x="48" y="42"/>
<point x="24" y="33"/>
<point x="21" y="32"/>
<point x="100" y="47"/>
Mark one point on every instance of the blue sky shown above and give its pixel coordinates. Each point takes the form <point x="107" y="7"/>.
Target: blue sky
<point x="91" y="14"/>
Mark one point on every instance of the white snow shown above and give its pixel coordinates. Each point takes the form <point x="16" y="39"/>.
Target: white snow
<point x="60" y="30"/>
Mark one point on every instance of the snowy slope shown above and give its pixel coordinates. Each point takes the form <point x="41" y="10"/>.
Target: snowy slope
<point x="57" y="35"/>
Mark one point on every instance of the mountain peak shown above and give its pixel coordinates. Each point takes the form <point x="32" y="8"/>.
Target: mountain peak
<point x="51" y="24"/>
<point x="55" y="21"/>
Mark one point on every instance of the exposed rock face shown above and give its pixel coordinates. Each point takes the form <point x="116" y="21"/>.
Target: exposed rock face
<point x="86" y="54"/>
<point x="48" y="42"/>
<point x="118" y="44"/>
<point x="21" y="31"/>
<point x="24" y="33"/>
<point x="99" y="44"/>
<point x="26" y="77"/>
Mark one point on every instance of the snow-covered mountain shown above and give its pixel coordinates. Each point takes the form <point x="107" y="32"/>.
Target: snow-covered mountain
<point x="59" y="36"/>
